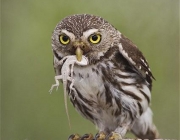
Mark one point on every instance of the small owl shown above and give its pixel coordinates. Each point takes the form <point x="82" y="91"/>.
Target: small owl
<point x="113" y="90"/>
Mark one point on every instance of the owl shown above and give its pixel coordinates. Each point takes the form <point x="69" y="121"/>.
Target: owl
<point x="113" y="90"/>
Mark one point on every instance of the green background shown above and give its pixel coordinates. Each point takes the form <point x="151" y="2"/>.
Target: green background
<point x="29" y="112"/>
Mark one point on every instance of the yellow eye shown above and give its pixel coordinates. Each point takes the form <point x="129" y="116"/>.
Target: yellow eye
<point x="95" y="38"/>
<point x="64" y="39"/>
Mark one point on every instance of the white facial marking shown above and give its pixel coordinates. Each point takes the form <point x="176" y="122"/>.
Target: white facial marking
<point x="71" y="35"/>
<point x="87" y="33"/>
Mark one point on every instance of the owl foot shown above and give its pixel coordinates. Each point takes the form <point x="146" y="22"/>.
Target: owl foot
<point x="87" y="137"/>
<point x="74" y="137"/>
<point x="84" y="137"/>
<point x="100" y="136"/>
<point x="113" y="136"/>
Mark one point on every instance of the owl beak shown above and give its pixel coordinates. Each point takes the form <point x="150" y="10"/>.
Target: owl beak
<point x="79" y="49"/>
<point x="79" y="53"/>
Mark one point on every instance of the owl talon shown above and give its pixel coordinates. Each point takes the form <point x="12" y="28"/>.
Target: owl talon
<point x="113" y="136"/>
<point x="74" y="137"/>
<point x="87" y="137"/>
<point x="100" y="136"/>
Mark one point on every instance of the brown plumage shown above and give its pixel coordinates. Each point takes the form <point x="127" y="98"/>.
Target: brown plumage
<point x="114" y="90"/>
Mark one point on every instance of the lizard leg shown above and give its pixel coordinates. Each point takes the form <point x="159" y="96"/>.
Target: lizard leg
<point x="56" y="84"/>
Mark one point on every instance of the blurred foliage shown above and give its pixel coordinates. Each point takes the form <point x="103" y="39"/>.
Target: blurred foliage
<point x="29" y="112"/>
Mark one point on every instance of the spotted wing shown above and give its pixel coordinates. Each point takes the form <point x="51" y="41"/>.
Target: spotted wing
<point x="135" y="57"/>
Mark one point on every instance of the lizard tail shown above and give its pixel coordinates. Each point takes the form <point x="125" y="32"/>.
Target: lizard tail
<point x="66" y="106"/>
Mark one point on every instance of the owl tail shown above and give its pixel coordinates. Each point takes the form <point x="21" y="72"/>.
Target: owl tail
<point x="144" y="128"/>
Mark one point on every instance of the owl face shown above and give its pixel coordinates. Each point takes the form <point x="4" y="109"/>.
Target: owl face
<point x="84" y="34"/>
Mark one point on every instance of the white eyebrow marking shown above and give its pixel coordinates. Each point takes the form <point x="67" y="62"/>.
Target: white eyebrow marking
<point x="87" y="33"/>
<point x="71" y="35"/>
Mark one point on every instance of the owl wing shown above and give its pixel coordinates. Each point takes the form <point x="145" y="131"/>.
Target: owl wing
<point x="135" y="57"/>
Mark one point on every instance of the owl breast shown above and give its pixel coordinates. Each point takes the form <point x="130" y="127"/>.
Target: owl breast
<point x="88" y="82"/>
<point x="91" y="99"/>
<point x="99" y="96"/>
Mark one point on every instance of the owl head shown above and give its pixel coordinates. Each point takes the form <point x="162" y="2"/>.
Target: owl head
<point x="83" y="34"/>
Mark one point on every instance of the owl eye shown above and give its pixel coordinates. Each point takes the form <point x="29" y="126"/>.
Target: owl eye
<point x="95" y="38"/>
<point x="64" y="39"/>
